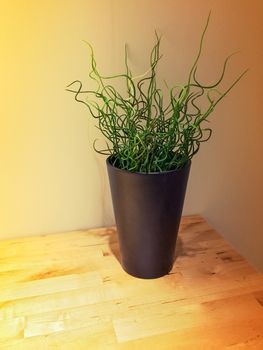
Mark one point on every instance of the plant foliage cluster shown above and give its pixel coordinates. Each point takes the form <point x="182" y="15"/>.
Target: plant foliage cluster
<point x="145" y="133"/>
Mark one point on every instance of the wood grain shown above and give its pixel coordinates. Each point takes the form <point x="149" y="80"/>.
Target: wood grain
<point x="68" y="291"/>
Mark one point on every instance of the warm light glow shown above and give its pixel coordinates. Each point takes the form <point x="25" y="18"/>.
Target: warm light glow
<point x="50" y="178"/>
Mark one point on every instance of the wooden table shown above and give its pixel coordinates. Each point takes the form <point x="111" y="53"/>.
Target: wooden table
<point x="67" y="291"/>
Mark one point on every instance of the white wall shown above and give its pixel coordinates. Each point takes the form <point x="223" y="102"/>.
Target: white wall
<point x="50" y="178"/>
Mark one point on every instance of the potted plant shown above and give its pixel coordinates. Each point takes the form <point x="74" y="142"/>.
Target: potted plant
<point x="150" y="144"/>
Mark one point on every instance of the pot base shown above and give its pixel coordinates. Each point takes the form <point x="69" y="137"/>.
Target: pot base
<point x="146" y="275"/>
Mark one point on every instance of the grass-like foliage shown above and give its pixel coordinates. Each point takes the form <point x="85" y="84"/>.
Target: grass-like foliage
<point x="145" y="133"/>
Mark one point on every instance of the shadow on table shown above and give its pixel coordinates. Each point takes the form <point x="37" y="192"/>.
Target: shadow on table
<point x="114" y="245"/>
<point x="179" y="249"/>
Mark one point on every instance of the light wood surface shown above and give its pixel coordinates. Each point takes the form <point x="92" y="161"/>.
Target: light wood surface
<point x="67" y="291"/>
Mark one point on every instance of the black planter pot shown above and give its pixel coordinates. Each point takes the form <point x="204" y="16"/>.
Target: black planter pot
<point x="147" y="210"/>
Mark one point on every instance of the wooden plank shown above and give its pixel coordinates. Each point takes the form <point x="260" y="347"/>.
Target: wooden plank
<point x="68" y="291"/>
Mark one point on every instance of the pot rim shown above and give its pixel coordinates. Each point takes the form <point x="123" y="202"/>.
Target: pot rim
<point x="187" y="165"/>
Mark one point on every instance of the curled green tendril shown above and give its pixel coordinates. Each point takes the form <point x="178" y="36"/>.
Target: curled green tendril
<point x="143" y="134"/>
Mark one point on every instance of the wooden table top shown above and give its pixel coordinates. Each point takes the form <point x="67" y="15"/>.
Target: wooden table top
<point x="67" y="291"/>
